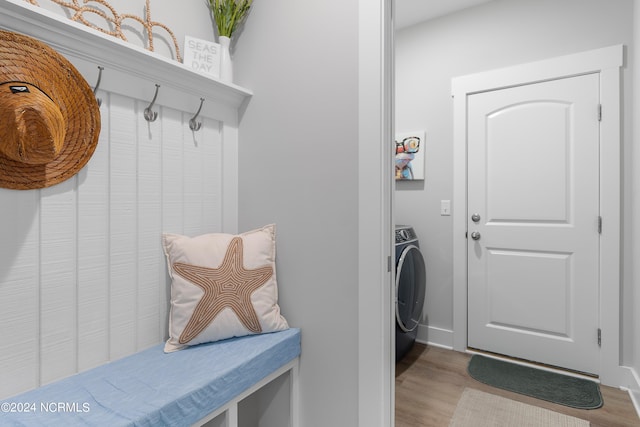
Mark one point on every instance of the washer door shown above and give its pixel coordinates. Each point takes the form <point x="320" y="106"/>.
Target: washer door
<point x="411" y="281"/>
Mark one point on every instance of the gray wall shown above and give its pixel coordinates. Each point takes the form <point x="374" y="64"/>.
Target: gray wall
<point x="298" y="169"/>
<point x="497" y="34"/>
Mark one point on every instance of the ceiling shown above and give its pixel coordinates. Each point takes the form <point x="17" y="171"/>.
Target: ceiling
<point x="410" y="12"/>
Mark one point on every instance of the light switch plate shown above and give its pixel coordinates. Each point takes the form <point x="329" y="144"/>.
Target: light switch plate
<point x="445" y="207"/>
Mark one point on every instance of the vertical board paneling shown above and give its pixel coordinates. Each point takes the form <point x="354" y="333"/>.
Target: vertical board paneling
<point x="93" y="253"/>
<point x="123" y="226"/>
<point x="172" y="202"/>
<point x="19" y="292"/>
<point x="149" y="230"/>
<point x="58" y="281"/>
<point x="193" y="181"/>
<point x="172" y="173"/>
<point x="211" y="142"/>
<point x="229" y="176"/>
<point x="83" y="279"/>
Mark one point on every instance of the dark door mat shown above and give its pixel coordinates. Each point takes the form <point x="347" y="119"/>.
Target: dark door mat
<point x="550" y="386"/>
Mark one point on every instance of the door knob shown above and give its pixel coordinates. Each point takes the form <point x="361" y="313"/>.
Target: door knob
<point x="475" y="235"/>
<point x="475" y="217"/>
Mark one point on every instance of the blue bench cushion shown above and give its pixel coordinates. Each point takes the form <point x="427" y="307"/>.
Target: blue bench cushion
<point x="153" y="388"/>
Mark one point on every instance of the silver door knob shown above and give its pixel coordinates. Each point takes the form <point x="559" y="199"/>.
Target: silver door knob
<point x="475" y="235"/>
<point x="475" y="217"/>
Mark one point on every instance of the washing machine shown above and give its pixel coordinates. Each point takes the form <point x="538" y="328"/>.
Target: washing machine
<point x="411" y="282"/>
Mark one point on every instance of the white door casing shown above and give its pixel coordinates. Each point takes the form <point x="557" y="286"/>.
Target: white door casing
<point x="607" y="62"/>
<point x="533" y="185"/>
<point x="376" y="324"/>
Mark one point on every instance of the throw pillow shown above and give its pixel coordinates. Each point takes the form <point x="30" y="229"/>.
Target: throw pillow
<point x="222" y="286"/>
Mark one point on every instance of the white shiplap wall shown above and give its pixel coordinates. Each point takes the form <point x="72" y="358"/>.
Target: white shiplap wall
<point x="83" y="275"/>
<point x="83" y="279"/>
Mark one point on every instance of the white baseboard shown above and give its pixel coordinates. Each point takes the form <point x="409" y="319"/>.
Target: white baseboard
<point x="437" y="337"/>
<point x="634" y="391"/>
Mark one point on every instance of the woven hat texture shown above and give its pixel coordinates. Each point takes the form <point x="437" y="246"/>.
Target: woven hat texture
<point x="49" y="117"/>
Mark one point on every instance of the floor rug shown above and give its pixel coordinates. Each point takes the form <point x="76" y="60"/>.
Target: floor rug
<point x="550" y="386"/>
<point x="479" y="409"/>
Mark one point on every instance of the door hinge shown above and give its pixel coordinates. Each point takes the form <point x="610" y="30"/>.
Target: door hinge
<point x="599" y="337"/>
<point x="599" y="112"/>
<point x="389" y="264"/>
<point x="599" y="225"/>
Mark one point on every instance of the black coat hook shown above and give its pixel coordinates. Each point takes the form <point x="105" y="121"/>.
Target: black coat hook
<point x="149" y="114"/>
<point x="193" y="124"/>
<point x="95" y="89"/>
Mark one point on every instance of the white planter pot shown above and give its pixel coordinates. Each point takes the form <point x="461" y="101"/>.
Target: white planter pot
<point x="226" y="66"/>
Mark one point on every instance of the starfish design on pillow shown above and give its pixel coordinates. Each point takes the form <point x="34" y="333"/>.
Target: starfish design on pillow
<point x="228" y="286"/>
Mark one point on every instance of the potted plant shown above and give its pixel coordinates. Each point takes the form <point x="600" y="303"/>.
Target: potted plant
<point x="228" y="15"/>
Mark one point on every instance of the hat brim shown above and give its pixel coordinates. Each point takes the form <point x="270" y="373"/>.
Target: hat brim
<point x="27" y="60"/>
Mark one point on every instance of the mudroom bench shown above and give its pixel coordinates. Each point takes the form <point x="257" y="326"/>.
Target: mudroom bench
<point x="245" y="381"/>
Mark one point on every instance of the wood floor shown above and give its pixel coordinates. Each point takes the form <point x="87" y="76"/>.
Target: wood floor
<point x="430" y="380"/>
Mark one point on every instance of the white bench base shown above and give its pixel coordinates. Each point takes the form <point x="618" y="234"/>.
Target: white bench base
<point x="280" y="388"/>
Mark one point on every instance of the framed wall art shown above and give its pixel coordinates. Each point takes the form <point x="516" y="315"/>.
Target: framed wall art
<point x="410" y="156"/>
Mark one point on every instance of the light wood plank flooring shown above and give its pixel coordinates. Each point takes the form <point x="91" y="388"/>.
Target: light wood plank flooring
<point x="430" y="381"/>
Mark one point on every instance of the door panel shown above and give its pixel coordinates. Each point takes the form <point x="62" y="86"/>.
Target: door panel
<point x="533" y="169"/>
<point x="523" y="284"/>
<point x="533" y="179"/>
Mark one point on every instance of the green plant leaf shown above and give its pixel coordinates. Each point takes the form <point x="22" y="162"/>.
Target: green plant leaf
<point x="228" y="14"/>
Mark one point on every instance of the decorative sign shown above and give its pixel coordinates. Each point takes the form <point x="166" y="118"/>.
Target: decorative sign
<point x="202" y="55"/>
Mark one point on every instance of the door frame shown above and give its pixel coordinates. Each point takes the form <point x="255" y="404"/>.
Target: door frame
<point x="607" y="62"/>
<point x="376" y="272"/>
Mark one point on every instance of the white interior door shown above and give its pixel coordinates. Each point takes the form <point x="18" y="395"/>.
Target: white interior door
<point x="533" y="185"/>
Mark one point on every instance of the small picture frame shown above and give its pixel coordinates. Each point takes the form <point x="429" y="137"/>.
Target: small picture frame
<point x="410" y="156"/>
<point x="202" y="56"/>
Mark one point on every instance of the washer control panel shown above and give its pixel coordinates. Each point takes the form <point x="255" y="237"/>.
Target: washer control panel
<point x="404" y="234"/>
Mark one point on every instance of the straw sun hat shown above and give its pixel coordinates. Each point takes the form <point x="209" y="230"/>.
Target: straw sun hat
<point x="49" y="117"/>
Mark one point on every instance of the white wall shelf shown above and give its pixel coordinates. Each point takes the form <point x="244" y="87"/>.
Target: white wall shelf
<point x="129" y="70"/>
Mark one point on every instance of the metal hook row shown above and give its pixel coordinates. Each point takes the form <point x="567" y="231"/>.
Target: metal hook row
<point x="149" y="114"/>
